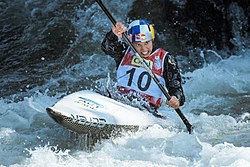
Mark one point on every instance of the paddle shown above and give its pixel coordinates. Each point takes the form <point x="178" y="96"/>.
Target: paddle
<point x="164" y="91"/>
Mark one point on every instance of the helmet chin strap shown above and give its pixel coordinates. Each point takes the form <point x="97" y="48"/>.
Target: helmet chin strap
<point x="162" y="88"/>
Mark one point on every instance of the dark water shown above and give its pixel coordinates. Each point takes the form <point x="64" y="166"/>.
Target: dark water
<point x="52" y="48"/>
<point x="35" y="37"/>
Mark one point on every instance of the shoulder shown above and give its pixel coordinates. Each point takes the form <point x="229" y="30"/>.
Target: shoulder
<point x="162" y="51"/>
<point x="169" y="58"/>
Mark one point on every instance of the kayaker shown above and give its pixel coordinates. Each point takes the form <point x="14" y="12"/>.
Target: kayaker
<point x="132" y="78"/>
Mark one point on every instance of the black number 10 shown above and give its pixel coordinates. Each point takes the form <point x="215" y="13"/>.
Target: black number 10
<point x="139" y="82"/>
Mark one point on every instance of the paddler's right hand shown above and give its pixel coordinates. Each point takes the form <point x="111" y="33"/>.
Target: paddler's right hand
<point x="173" y="102"/>
<point x="118" y="29"/>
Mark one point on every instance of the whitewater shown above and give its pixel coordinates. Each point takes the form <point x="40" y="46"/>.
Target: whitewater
<point x="217" y="105"/>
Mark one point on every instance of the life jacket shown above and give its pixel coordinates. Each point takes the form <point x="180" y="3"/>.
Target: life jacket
<point x="133" y="77"/>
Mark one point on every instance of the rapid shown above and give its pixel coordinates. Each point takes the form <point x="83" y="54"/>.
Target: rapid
<point x="217" y="97"/>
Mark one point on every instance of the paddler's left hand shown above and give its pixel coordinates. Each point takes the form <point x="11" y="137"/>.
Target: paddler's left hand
<point x="173" y="102"/>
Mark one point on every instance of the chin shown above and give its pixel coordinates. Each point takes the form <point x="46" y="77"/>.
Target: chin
<point x="145" y="56"/>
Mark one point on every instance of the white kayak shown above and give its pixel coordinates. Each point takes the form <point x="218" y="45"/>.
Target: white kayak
<point x="89" y="112"/>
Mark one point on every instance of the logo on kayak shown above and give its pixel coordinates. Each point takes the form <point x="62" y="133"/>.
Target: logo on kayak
<point x="89" y="103"/>
<point x="88" y="121"/>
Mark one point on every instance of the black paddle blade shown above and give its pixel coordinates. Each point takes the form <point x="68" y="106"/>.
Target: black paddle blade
<point x="185" y="121"/>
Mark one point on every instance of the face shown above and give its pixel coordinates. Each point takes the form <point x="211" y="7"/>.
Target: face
<point x="144" y="48"/>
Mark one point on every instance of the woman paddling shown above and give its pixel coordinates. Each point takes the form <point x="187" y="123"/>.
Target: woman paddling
<point x="132" y="78"/>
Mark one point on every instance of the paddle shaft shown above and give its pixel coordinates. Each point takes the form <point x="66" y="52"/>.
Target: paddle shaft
<point x="164" y="91"/>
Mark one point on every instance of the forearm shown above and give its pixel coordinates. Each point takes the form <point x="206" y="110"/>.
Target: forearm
<point x="109" y="43"/>
<point x="111" y="46"/>
<point x="176" y="90"/>
<point x="173" y="79"/>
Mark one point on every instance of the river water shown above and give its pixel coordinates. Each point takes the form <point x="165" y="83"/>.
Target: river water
<point x="218" y="95"/>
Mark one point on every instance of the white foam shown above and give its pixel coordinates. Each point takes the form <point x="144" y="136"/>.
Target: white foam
<point x="231" y="75"/>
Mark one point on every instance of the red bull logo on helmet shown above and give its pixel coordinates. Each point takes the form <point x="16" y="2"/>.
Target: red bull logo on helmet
<point x="140" y="31"/>
<point x="140" y="37"/>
